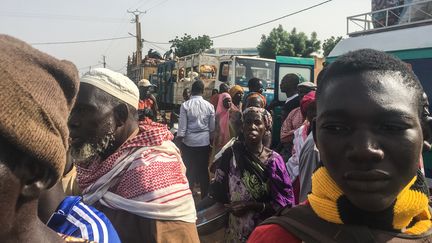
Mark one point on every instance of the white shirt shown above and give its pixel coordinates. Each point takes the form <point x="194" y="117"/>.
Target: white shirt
<point x="196" y="122"/>
<point x="290" y="98"/>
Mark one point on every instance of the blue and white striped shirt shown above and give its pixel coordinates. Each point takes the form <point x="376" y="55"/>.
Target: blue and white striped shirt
<point x="76" y="219"/>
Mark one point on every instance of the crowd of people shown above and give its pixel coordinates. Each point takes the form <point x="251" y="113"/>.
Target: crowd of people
<point x="88" y="160"/>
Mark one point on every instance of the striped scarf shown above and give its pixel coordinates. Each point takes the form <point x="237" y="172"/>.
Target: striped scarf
<point x="409" y="214"/>
<point x="145" y="176"/>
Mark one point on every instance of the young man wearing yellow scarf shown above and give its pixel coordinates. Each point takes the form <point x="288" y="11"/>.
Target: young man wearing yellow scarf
<point x="371" y="128"/>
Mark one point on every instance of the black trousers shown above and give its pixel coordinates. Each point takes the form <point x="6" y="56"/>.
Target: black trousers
<point x="196" y="162"/>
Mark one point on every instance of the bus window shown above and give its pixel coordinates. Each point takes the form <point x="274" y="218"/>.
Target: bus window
<point x="305" y="72"/>
<point x="224" y="71"/>
<point x="254" y="68"/>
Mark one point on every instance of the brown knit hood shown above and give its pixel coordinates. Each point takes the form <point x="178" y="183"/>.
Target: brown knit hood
<point x="37" y="92"/>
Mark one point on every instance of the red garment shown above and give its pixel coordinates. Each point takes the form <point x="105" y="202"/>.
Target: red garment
<point x="150" y="134"/>
<point x="145" y="104"/>
<point x="306" y="101"/>
<point x="272" y="233"/>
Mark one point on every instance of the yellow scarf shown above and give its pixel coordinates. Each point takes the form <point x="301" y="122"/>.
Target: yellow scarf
<point x="409" y="214"/>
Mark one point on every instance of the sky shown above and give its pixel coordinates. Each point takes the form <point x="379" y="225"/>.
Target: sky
<point x="41" y="21"/>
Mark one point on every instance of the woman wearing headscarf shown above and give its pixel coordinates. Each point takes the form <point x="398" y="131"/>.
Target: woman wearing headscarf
<point x="237" y="93"/>
<point x="250" y="179"/>
<point x="225" y="121"/>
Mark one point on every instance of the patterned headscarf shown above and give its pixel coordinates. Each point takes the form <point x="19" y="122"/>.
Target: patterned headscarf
<point x="265" y="115"/>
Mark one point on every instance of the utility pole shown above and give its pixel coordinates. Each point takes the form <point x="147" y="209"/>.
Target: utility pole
<point x="103" y="61"/>
<point x="138" y="55"/>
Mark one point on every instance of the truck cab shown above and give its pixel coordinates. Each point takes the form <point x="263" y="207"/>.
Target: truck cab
<point x="238" y="70"/>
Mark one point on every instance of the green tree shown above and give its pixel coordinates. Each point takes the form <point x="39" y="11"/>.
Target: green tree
<point x="284" y="43"/>
<point x="187" y="44"/>
<point x="329" y="44"/>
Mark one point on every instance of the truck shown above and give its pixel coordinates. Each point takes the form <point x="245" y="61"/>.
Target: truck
<point x="173" y="76"/>
<point x="238" y="70"/>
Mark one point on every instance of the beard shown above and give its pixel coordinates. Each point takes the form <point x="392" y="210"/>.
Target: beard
<point x="88" y="152"/>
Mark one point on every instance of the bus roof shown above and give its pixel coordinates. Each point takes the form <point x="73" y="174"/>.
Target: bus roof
<point x="295" y="60"/>
<point x="228" y="57"/>
<point x="409" y="43"/>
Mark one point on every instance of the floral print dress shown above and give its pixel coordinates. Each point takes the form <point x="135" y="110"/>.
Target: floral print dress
<point x="237" y="178"/>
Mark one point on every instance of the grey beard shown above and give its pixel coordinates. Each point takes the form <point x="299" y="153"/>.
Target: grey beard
<point x="89" y="152"/>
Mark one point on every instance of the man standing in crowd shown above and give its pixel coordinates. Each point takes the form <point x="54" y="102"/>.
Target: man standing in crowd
<point x="37" y="93"/>
<point x="289" y="87"/>
<point x="147" y="106"/>
<point x="196" y="127"/>
<point x="132" y="172"/>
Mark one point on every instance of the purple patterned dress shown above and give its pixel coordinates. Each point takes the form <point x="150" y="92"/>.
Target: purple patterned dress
<point x="241" y="177"/>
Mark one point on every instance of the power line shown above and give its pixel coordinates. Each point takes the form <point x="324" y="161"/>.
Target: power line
<point x="166" y="43"/>
<point x="79" y="41"/>
<point x="89" y="66"/>
<point x="157" y="5"/>
<point x="155" y="42"/>
<point x="62" y="17"/>
<point x="270" y="21"/>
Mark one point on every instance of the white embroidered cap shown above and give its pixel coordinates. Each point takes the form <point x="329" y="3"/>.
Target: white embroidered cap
<point x="114" y="83"/>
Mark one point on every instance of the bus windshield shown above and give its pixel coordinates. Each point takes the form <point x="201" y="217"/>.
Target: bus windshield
<point x="246" y="69"/>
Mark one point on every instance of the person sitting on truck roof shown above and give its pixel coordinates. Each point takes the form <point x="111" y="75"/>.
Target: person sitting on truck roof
<point x="147" y="106"/>
<point x="369" y="187"/>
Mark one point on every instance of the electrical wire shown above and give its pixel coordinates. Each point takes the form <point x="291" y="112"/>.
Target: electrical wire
<point x="157" y="5"/>
<point x="270" y="21"/>
<point x="79" y="41"/>
<point x="155" y="42"/>
<point x="166" y="43"/>
<point x="62" y="17"/>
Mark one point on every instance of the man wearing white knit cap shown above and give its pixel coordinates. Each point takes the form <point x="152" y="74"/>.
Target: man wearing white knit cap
<point x="131" y="171"/>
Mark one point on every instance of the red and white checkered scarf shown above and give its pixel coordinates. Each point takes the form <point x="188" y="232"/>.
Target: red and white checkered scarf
<point x="150" y="134"/>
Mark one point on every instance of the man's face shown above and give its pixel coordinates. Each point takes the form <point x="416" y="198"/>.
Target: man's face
<point x="284" y="86"/>
<point x="369" y="136"/>
<point x="144" y="92"/>
<point x="92" y="125"/>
